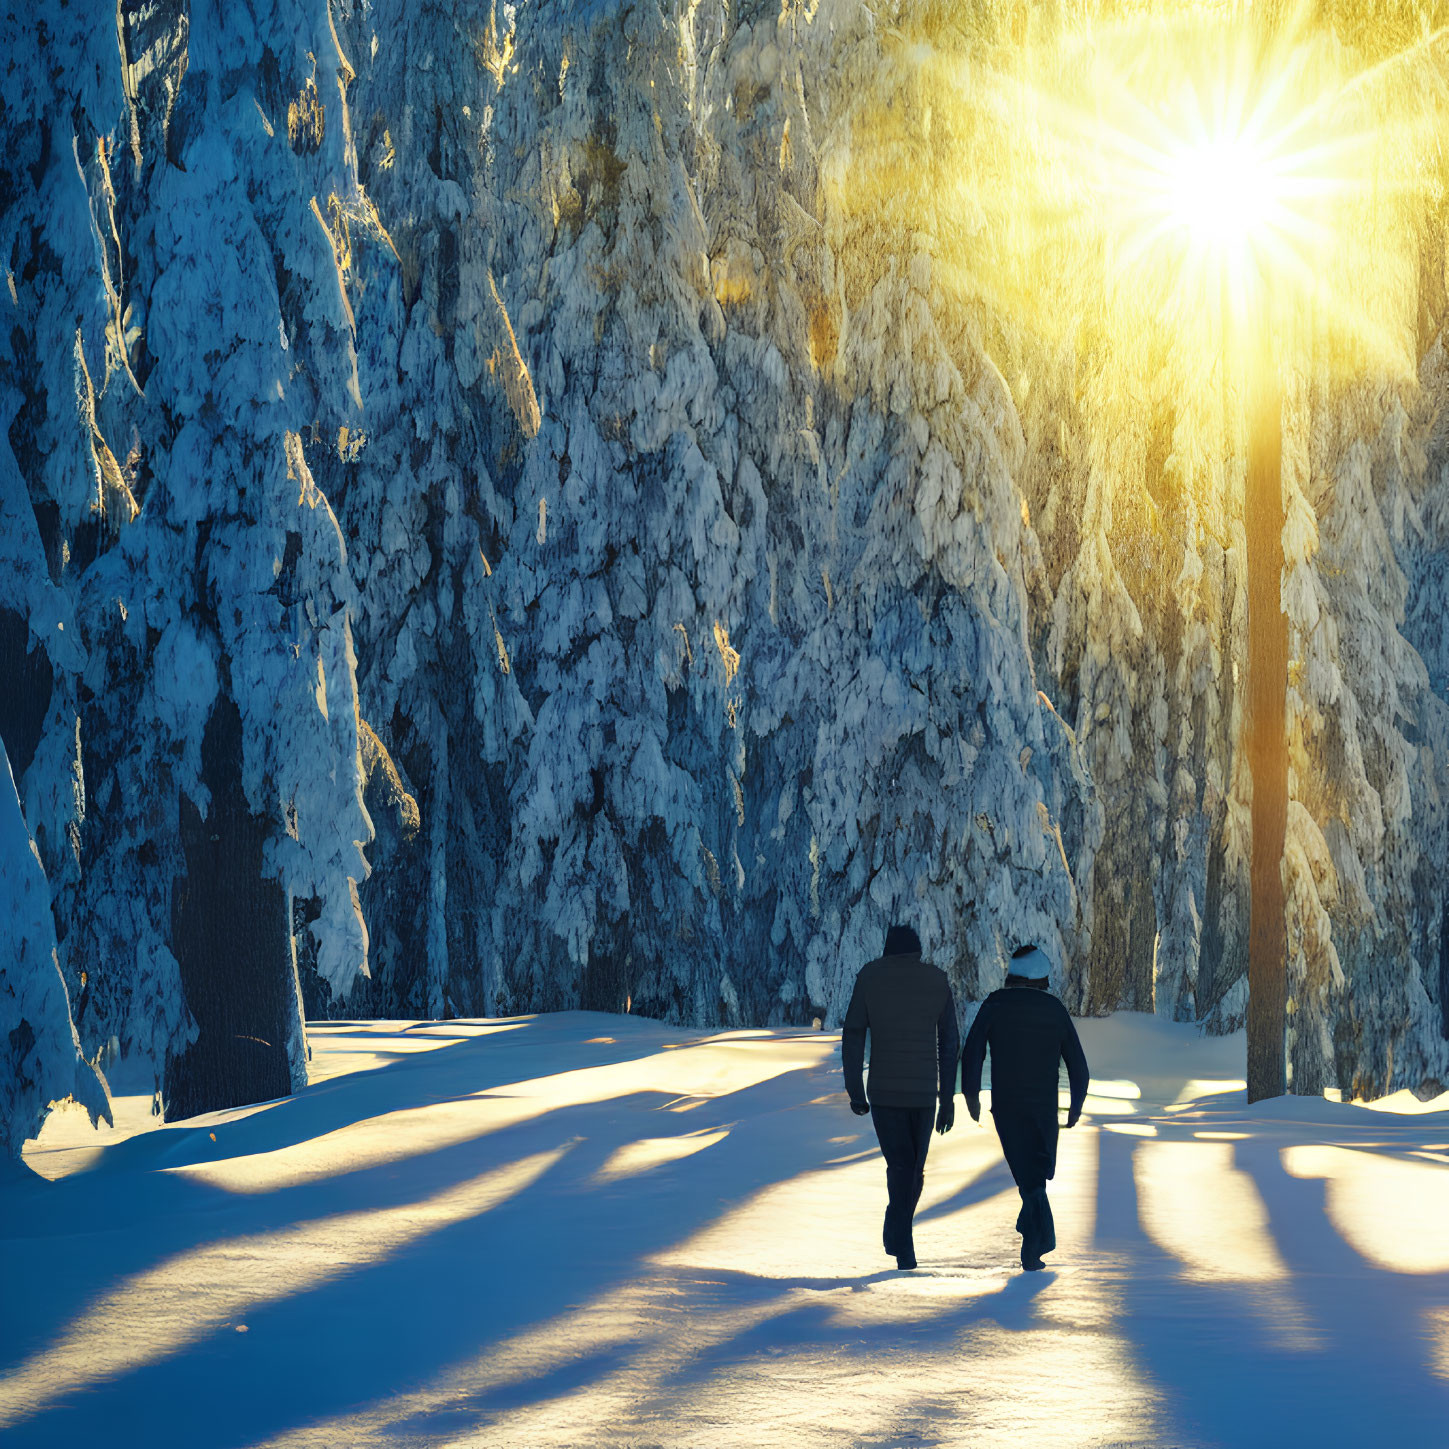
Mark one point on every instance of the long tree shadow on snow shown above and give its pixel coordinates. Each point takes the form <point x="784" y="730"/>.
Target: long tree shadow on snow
<point x="1233" y="1371"/>
<point x="443" y="1297"/>
<point x="193" y="1213"/>
<point x="362" y="1342"/>
<point x="1239" y="1364"/>
<point x="1326" y="1356"/>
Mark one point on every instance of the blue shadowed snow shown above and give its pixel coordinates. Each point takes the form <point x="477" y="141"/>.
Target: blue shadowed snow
<point x="582" y="1229"/>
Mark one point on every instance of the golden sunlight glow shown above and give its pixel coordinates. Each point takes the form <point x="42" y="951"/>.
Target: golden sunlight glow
<point x="1392" y="1210"/>
<point x="714" y="1065"/>
<point x="1197" y="1205"/>
<point x="1207" y="1087"/>
<point x="1158" y="197"/>
<point x="649" y="1152"/>
<point x="1212" y="217"/>
<point x="1105" y="1106"/>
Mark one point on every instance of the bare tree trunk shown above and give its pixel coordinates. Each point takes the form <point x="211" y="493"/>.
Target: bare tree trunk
<point x="231" y="938"/>
<point x="1267" y="689"/>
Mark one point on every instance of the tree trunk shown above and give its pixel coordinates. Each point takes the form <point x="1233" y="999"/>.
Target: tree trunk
<point x="232" y="940"/>
<point x="1267" y="689"/>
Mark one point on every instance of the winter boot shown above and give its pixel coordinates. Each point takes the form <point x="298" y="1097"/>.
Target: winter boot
<point x="1034" y="1223"/>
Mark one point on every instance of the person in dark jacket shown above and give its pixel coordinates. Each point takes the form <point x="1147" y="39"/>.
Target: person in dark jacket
<point x="906" y="1005"/>
<point x="1029" y="1032"/>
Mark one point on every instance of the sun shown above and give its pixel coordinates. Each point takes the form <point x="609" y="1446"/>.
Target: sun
<point x="1218" y="203"/>
<point x="1180" y="192"/>
<point x="1222" y="194"/>
<point x="1258" y="192"/>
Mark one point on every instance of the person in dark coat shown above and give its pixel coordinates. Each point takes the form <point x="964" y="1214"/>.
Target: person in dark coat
<point x="906" y="1005"/>
<point x="1028" y="1032"/>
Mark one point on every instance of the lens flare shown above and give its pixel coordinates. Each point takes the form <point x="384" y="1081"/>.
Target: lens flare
<point x="1168" y="193"/>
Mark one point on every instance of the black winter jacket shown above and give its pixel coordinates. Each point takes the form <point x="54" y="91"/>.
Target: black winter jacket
<point x="1029" y="1031"/>
<point x="907" y="1006"/>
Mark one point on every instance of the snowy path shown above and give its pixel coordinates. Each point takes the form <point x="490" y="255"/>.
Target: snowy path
<point x="581" y="1230"/>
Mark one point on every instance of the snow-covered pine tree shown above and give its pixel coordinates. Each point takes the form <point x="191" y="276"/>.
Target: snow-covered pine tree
<point x="40" y="1055"/>
<point x="176" y="280"/>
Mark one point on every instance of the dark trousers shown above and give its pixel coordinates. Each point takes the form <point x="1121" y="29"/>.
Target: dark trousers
<point x="904" y="1134"/>
<point x="1029" y="1144"/>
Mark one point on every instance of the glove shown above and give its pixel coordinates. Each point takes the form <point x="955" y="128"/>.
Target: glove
<point x="945" y="1116"/>
<point x="861" y="1109"/>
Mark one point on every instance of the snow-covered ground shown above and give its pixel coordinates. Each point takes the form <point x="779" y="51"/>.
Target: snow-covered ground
<point x="581" y="1229"/>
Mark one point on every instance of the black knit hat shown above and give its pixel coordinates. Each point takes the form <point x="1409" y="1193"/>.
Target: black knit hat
<point x="901" y="940"/>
